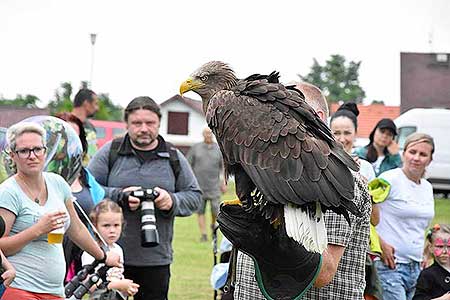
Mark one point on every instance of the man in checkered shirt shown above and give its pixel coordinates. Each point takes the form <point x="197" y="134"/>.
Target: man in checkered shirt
<point x="342" y="271"/>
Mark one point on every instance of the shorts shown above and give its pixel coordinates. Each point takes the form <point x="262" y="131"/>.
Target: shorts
<point x="214" y="206"/>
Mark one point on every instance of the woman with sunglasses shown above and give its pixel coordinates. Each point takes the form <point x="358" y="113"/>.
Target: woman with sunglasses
<point x="34" y="203"/>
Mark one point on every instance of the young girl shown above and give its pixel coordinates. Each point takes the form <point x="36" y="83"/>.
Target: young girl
<point x="107" y="217"/>
<point x="434" y="281"/>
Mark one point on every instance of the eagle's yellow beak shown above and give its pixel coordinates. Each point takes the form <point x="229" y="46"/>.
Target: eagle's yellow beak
<point x="189" y="85"/>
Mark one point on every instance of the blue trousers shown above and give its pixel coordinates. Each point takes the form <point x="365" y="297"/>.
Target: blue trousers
<point x="400" y="283"/>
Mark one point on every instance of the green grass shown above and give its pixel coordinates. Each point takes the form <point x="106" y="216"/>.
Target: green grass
<point x="193" y="260"/>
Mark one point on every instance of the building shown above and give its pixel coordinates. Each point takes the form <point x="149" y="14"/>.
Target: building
<point x="369" y="115"/>
<point x="10" y="115"/>
<point x="182" y="121"/>
<point x="424" y="80"/>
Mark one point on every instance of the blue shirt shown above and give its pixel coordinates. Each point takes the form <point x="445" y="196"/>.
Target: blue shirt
<point x="40" y="266"/>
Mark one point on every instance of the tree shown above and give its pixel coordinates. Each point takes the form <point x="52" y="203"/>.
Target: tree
<point x="378" y="102"/>
<point x="337" y="79"/>
<point x="62" y="100"/>
<point x="29" y="101"/>
<point x="107" y="109"/>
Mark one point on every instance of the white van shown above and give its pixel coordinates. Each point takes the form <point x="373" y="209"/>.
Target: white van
<point x="435" y="122"/>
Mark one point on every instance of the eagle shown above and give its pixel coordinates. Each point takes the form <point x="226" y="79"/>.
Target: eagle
<point x="286" y="164"/>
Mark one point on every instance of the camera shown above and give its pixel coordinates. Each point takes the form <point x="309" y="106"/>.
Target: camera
<point x="149" y="232"/>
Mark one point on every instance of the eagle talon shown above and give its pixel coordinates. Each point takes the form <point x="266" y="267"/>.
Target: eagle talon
<point x="232" y="202"/>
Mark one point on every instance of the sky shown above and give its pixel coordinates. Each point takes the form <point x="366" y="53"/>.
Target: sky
<point x="150" y="47"/>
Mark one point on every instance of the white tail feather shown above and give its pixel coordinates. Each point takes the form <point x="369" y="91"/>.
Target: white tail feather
<point x="305" y="229"/>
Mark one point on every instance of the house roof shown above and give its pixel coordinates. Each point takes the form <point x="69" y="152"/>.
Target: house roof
<point x="10" y="115"/>
<point x="369" y="115"/>
<point x="194" y="104"/>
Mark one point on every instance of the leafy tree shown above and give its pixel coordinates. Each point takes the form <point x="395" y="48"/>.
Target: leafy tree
<point x="107" y="110"/>
<point x="337" y="79"/>
<point x="63" y="102"/>
<point x="378" y="102"/>
<point x="29" y="101"/>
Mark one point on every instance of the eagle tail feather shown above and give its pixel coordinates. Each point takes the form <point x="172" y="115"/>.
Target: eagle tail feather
<point x="306" y="226"/>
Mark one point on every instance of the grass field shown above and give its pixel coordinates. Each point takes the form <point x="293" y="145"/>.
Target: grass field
<point x="193" y="260"/>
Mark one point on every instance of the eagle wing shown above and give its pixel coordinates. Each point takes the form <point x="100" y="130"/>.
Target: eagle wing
<point x="273" y="140"/>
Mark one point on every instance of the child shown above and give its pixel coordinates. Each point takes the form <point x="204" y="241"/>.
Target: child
<point x="434" y="281"/>
<point x="8" y="272"/>
<point x="107" y="217"/>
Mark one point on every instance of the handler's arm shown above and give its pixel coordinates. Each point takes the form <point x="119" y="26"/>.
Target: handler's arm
<point x="330" y="261"/>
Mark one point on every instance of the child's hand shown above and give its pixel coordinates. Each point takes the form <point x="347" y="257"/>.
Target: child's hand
<point x="126" y="286"/>
<point x="8" y="276"/>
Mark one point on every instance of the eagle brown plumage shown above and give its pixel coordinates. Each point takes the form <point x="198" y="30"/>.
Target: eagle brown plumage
<point x="274" y="143"/>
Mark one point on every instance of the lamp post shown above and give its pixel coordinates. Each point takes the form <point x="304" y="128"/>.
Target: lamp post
<point x="93" y="38"/>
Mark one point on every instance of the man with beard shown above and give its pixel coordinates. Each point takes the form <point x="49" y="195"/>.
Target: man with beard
<point x="143" y="159"/>
<point x="85" y="105"/>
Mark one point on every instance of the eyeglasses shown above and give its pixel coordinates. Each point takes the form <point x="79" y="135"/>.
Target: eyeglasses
<point x="26" y="152"/>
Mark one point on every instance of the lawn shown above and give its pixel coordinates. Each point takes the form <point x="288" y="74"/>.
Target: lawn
<point x="194" y="260"/>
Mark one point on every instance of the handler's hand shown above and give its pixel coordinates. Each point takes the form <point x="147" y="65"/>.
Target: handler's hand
<point x="133" y="202"/>
<point x="387" y="256"/>
<point x="163" y="201"/>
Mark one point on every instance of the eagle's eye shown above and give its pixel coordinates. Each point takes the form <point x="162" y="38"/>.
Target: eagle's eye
<point x="204" y="78"/>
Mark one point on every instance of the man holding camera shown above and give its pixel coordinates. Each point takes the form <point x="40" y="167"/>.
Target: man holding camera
<point x="128" y="167"/>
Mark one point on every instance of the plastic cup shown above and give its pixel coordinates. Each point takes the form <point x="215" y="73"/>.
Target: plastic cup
<point x="56" y="236"/>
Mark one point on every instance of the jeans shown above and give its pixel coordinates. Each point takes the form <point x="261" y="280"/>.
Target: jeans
<point x="400" y="283"/>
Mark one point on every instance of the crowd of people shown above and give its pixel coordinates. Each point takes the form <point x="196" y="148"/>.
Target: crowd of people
<point x="378" y="255"/>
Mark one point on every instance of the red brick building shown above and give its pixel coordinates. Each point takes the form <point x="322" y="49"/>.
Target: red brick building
<point x="10" y="115"/>
<point x="369" y="115"/>
<point x="424" y="80"/>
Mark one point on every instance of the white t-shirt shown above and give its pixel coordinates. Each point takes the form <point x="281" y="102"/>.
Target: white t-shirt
<point x="377" y="164"/>
<point x="114" y="272"/>
<point x="366" y="170"/>
<point x="405" y="215"/>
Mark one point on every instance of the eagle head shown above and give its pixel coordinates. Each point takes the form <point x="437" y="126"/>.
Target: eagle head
<point x="207" y="80"/>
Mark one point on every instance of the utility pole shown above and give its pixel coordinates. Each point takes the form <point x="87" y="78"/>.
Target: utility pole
<point x="93" y="38"/>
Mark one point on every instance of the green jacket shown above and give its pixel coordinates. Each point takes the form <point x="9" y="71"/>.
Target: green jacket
<point x="389" y="162"/>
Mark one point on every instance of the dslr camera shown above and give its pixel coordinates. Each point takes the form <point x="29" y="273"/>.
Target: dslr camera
<point x="149" y="231"/>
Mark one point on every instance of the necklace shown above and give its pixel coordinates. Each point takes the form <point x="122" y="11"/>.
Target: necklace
<point x="28" y="190"/>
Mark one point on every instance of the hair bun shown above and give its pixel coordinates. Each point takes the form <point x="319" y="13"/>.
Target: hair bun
<point x="350" y="106"/>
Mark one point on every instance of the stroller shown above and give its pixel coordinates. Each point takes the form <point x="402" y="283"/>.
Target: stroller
<point x="219" y="273"/>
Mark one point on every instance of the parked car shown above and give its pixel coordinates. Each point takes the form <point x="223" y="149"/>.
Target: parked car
<point x="107" y="130"/>
<point x="435" y="122"/>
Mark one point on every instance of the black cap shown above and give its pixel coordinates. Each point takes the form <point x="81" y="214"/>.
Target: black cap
<point x="142" y="102"/>
<point x="387" y="124"/>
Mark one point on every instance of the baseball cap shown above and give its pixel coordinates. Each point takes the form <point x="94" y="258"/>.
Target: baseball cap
<point x="387" y="124"/>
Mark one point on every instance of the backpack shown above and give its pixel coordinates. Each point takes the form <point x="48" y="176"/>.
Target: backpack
<point x="173" y="156"/>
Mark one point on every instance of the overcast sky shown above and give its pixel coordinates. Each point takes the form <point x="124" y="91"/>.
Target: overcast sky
<point x="150" y="47"/>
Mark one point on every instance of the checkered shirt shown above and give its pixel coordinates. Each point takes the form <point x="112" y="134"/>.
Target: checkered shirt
<point x="348" y="282"/>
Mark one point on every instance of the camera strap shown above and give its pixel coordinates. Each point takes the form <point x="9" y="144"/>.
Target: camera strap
<point x="173" y="156"/>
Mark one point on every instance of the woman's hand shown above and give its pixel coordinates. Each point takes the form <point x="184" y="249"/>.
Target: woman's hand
<point x="393" y="148"/>
<point x="50" y="222"/>
<point x="388" y="255"/>
<point x="113" y="259"/>
<point x="8" y="276"/>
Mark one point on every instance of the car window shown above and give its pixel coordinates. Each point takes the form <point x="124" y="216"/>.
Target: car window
<point x="118" y="131"/>
<point x="101" y="132"/>
<point x="403" y="133"/>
